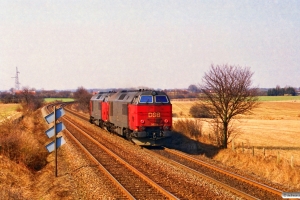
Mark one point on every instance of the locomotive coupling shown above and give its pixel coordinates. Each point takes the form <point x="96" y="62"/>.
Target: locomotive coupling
<point x="167" y="133"/>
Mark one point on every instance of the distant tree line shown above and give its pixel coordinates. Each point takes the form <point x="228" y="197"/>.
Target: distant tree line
<point x="26" y="97"/>
<point x="55" y="94"/>
<point x="19" y="96"/>
<point x="191" y="92"/>
<point x="282" y="91"/>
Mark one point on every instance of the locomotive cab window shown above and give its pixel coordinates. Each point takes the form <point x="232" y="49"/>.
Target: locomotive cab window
<point x="146" y="99"/>
<point x="161" y="99"/>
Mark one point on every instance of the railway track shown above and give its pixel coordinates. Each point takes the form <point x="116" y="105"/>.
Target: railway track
<point x="67" y="107"/>
<point x="132" y="183"/>
<point x="239" y="185"/>
<point x="162" y="173"/>
<point x="234" y="182"/>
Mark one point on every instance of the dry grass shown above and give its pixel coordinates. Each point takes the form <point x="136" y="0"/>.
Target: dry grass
<point x="190" y="128"/>
<point x="274" y="126"/>
<point x="268" y="167"/>
<point x="9" y="110"/>
<point x="15" y="180"/>
<point x="22" y="154"/>
<point x="182" y="108"/>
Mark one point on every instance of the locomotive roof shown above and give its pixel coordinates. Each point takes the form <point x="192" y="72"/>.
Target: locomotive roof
<point x="152" y="92"/>
<point x="101" y="95"/>
<point x="127" y="96"/>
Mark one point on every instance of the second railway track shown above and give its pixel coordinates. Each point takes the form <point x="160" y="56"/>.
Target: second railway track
<point x="243" y="186"/>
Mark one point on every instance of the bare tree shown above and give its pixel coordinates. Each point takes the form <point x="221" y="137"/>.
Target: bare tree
<point x="228" y="93"/>
<point x="83" y="97"/>
<point x="30" y="100"/>
<point x="27" y="95"/>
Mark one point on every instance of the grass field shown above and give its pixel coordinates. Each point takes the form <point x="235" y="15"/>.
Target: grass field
<point x="47" y="100"/>
<point x="8" y="109"/>
<point x="272" y="123"/>
<point x="279" y="98"/>
<point x="274" y="127"/>
<point x="181" y="108"/>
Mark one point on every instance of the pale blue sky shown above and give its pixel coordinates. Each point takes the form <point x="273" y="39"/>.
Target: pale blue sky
<point x="62" y="44"/>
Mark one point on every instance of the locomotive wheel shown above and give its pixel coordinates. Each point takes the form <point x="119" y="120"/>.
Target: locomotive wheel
<point x="101" y="124"/>
<point x="127" y="133"/>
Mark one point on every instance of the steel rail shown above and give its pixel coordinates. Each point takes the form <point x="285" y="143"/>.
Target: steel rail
<point x="233" y="175"/>
<point x="197" y="173"/>
<point x="81" y="116"/>
<point x="134" y="170"/>
<point x="246" y="180"/>
<point x="101" y="167"/>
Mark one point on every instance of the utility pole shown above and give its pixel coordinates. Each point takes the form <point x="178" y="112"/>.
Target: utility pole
<point x="55" y="141"/>
<point x="17" y="83"/>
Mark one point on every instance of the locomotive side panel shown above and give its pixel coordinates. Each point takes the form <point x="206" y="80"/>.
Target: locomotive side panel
<point x="90" y="108"/>
<point x="96" y="107"/>
<point x="105" y="111"/>
<point x="118" y="114"/>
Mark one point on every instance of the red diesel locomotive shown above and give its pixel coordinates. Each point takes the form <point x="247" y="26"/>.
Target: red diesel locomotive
<point x="143" y="116"/>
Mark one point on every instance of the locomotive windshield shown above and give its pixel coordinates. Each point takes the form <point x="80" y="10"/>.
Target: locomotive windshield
<point x="161" y="99"/>
<point x="146" y="99"/>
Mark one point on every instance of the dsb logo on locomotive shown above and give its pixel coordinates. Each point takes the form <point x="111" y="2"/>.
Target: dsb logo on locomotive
<point x="153" y="114"/>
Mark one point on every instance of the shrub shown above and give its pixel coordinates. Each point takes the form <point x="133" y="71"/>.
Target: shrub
<point x="83" y="97"/>
<point x="189" y="128"/>
<point x="10" y="145"/>
<point x="200" y="111"/>
<point x="32" y="155"/>
<point x="23" y="141"/>
<point x="216" y="133"/>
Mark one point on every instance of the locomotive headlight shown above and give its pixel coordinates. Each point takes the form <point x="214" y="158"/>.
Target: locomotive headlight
<point x="166" y="120"/>
<point x="142" y="121"/>
<point x="153" y="93"/>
